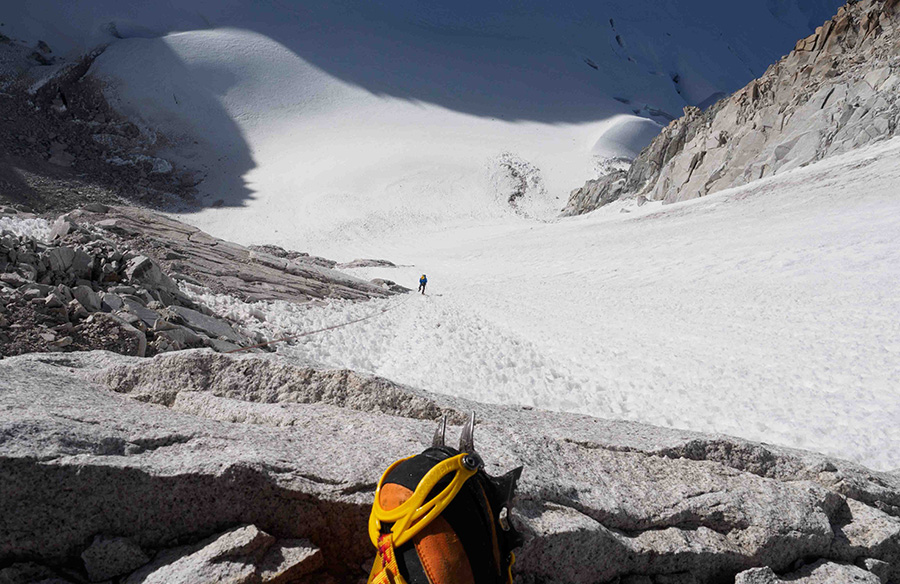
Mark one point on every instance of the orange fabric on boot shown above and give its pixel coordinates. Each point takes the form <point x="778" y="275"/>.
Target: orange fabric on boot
<point x="439" y="549"/>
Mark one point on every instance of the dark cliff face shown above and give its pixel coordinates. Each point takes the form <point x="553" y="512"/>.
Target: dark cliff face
<point x="839" y="89"/>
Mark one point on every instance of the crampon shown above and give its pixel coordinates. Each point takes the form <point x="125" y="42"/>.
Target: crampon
<point x="439" y="518"/>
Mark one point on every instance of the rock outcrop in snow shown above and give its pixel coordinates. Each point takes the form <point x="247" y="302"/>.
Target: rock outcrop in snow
<point x="228" y="268"/>
<point x="839" y="89"/>
<point x="201" y="463"/>
<point x="63" y="146"/>
<point x="105" y="279"/>
<point x="74" y="289"/>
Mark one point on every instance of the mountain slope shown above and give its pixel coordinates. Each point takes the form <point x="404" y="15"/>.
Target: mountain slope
<point x="767" y="311"/>
<point x="838" y="90"/>
<point x="446" y="115"/>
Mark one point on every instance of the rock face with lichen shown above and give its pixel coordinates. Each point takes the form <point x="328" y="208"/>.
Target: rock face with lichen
<point x="195" y="463"/>
<point x="838" y="90"/>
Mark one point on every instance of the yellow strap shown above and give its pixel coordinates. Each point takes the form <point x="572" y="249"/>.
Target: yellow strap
<point x="385" y="569"/>
<point x="415" y="513"/>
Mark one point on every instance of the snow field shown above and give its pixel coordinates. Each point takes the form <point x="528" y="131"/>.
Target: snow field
<point x="328" y="123"/>
<point x="767" y="312"/>
<point x="398" y="129"/>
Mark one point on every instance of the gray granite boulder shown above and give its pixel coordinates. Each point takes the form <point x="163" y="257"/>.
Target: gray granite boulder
<point x="87" y="298"/>
<point x="208" y="325"/>
<point x="821" y="572"/>
<point x="144" y="271"/>
<point x="191" y="444"/>
<point x="108" y="557"/>
<point x="243" y="555"/>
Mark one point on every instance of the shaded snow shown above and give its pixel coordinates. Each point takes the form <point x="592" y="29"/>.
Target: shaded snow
<point x="329" y="120"/>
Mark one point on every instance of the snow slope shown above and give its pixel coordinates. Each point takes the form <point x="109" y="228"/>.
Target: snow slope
<point x="401" y="129"/>
<point x="344" y="120"/>
<point x="767" y="311"/>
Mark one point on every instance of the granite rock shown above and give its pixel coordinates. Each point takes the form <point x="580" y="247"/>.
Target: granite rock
<point x="190" y="444"/>
<point x="838" y="90"/>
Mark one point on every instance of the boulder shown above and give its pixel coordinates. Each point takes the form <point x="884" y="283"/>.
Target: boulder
<point x="86" y="296"/>
<point x="181" y="336"/>
<point x="110" y="302"/>
<point x="143" y="271"/>
<point x="821" y="572"/>
<point x="229" y="557"/>
<point x="208" y="325"/>
<point x="82" y="265"/>
<point x="62" y="227"/>
<point x="878" y="567"/>
<point x="183" y="445"/>
<point x="109" y="557"/>
<point x="54" y="300"/>
<point x="60" y="258"/>
<point x="13" y="279"/>
<point x="757" y="576"/>
<point x="134" y="306"/>
<point x="289" y="559"/>
<point x="865" y="528"/>
<point x="76" y="310"/>
<point x="390" y="285"/>
<point x="243" y="555"/>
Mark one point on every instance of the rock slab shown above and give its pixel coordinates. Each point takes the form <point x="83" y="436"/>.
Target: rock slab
<point x="186" y="445"/>
<point x="243" y="555"/>
<point x="108" y="557"/>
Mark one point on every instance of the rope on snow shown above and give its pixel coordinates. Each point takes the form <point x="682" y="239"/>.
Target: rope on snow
<point x="321" y="330"/>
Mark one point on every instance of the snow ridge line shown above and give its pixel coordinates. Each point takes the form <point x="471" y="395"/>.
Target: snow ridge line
<point x="321" y="330"/>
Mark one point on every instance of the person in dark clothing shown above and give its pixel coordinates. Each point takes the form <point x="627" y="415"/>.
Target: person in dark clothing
<point x="422" y="281"/>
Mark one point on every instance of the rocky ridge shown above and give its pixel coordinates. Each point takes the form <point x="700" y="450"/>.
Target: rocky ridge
<point x="62" y="145"/>
<point x="839" y="89"/>
<point x="106" y="278"/>
<point x="209" y="461"/>
<point x="250" y="274"/>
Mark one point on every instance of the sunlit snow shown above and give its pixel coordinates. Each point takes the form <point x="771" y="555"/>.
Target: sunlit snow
<point x="398" y="129"/>
<point x="768" y="312"/>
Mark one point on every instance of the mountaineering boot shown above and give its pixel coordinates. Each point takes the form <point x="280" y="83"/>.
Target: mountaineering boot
<point x="439" y="518"/>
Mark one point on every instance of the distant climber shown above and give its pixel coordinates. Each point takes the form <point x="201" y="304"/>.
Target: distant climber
<point x="422" y="281"/>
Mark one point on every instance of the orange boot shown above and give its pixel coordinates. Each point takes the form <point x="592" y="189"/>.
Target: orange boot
<point x="439" y="518"/>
